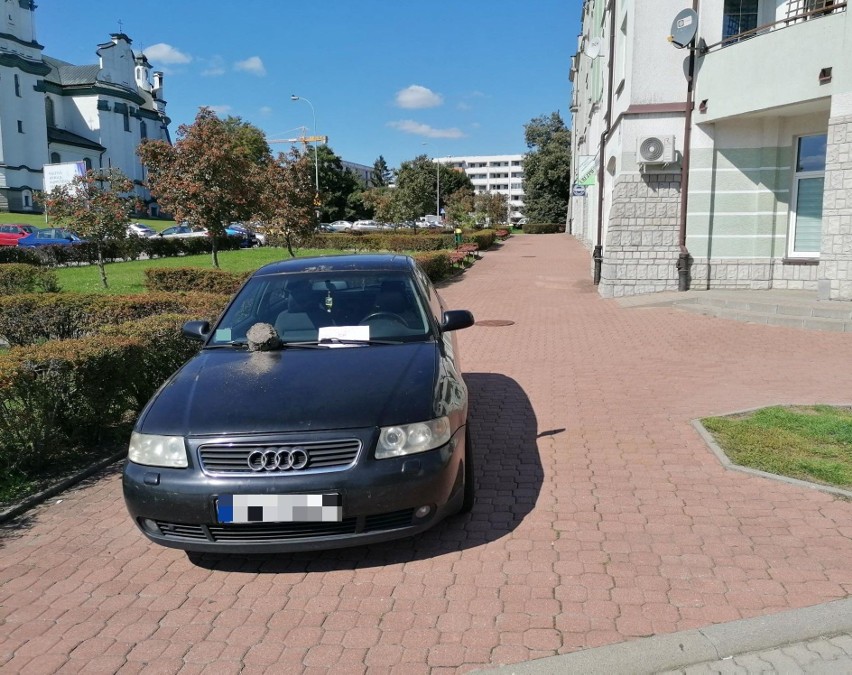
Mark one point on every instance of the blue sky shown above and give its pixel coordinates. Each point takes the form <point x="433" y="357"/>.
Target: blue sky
<point x="383" y="76"/>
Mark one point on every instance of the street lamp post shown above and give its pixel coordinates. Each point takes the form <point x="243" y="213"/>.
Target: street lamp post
<point x="437" y="186"/>
<point x="293" y="97"/>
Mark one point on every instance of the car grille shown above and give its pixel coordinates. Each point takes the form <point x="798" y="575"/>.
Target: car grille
<point x="272" y="532"/>
<point x="233" y="459"/>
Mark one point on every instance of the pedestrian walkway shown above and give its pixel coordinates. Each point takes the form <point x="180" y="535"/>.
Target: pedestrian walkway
<point x="602" y="517"/>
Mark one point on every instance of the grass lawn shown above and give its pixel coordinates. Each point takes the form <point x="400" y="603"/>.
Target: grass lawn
<point x="806" y="442"/>
<point x="129" y="277"/>
<point x="37" y="219"/>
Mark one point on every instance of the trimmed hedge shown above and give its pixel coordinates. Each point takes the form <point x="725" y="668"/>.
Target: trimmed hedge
<point x="130" y="248"/>
<point x="68" y="394"/>
<point x="382" y="241"/>
<point x="544" y="228"/>
<point x="23" y="278"/>
<point x="33" y="318"/>
<point x="15" y="254"/>
<point x="194" y="279"/>
<point x="437" y="264"/>
<point x="482" y="238"/>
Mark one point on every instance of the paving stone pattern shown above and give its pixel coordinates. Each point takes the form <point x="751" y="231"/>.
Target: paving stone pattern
<point x="601" y="515"/>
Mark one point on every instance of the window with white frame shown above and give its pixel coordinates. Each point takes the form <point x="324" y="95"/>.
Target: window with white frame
<point x="806" y="206"/>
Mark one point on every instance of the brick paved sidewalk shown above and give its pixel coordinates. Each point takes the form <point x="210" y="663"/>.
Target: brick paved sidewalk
<point x="601" y="517"/>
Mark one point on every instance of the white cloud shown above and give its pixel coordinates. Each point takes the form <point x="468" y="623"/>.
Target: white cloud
<point x="164" y="53"/>
<point x="419" y="129"/>
<point x="252" y="65"/>
<point x="416" y="96"/>
<point x="220" y="109"/>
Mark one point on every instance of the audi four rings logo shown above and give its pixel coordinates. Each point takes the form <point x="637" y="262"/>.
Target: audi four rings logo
<point x="277" y="460"/>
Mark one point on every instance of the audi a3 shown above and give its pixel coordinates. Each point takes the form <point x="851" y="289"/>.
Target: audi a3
<point x="325" y="408"/>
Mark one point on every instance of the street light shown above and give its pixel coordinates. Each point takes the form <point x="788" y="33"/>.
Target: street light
<point x="293" y="97"/>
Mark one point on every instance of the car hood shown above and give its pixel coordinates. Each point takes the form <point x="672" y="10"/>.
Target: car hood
<point x="224" y="392"/>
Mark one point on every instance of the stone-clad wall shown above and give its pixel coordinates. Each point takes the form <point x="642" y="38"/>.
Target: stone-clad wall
<point x="835" y="268"/>
<point x="752" y="274"/>
<point x="641" y="248"/>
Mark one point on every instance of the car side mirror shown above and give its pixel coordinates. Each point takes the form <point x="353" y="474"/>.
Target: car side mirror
<point x="456" y="319"/>
<point x="196" y="330"/>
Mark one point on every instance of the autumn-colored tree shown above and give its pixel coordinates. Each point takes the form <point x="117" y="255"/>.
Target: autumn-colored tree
<point x="204" y="178"/>
<point x="96" y="205"/>
<point x="285" y="197"/>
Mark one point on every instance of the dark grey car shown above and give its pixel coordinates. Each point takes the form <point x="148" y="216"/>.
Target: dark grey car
<point x="345" y="424"/>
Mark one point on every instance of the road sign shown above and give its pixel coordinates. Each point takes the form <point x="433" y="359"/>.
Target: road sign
<point x="578" y="190"/>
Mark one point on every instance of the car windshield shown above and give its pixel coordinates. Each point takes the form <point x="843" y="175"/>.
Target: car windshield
<point x="328" y="308"/>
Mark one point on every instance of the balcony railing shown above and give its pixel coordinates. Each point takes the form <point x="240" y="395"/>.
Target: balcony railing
<point x="797" y="12"/>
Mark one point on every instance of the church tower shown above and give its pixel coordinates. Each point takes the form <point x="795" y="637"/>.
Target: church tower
<point x="18" y="21"/>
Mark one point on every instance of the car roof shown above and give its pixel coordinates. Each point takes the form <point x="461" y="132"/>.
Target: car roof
<point x="339" y="263"/>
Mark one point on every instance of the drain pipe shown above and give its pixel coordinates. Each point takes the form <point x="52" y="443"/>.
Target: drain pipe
<point x="597" y="255"/>
<point x="684" y="257"/>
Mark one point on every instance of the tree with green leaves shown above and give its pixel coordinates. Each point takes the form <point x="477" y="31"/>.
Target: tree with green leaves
<point x="382" y="175"/>
<point x="248" y="139"/>
<point x="491" y="207"/>
<point x="96" y="205"/>
<point x="417" y="185"/>
<point x="204" y="178"/>
<point x="285" y="198"/>
<point x="339" y="188"/>
<point x="547" y="169"/>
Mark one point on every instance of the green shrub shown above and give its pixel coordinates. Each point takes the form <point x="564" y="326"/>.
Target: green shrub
<point x="544" y="228"/>
<point x="33" y="318"/>
<point x="436" y="264"/>
<point x="15" y="254"/>
<point x="23" y="278"/>
<point x="60" y="395"/>
<point x="165" y="350"/>
<point x="482" y="238"/>
<point x="393" y="240"/>
<point x="193" y="279"/>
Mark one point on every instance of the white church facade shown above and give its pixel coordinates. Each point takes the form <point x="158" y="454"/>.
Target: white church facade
<point x="55" y="112"/>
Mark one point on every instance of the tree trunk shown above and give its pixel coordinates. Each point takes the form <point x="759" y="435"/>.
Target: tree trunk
<point x="289" y="241"/>
<point x="215" y="252"/>
<point x="101" y="267"/>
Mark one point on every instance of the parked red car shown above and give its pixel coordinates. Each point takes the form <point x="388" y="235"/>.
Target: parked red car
<point x="11" y="232"/>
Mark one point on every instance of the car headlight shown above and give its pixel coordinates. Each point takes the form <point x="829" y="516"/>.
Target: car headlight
<point x="152" y="450"/>
<point x="409" y="439"/>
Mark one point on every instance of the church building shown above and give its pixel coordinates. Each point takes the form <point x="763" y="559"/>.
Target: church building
<point x="54" y="112"/>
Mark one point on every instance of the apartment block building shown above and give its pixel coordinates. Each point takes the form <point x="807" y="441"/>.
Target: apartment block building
<point x="723" y="163"/>
<point x="503" y="174"/>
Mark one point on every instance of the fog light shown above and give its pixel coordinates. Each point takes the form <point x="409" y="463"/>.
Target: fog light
<point x="423" y="511"/>
<point x="150" y="526"/>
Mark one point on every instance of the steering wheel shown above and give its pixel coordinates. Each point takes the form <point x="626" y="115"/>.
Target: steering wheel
<point x="384" y="315"/>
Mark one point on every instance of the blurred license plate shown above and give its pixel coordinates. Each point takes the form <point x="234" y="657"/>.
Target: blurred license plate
<point x="325" y="508"/>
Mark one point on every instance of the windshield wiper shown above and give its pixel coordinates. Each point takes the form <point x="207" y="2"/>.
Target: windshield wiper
<point x="241" y="344"/>
<point x="346" y="341"/>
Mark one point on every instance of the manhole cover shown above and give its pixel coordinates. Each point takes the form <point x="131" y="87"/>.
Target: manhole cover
<point x="495" y="322"/>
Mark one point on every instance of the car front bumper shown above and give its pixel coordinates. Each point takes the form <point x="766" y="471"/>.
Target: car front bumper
<point x="380" y="501"/>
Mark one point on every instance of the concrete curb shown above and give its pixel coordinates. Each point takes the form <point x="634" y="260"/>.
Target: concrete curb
<point x="681" y="650"/>
<point x="728" y="464"/>
<point x="61" y="486"/>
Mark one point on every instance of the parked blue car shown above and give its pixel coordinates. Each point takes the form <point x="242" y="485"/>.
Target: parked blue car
<point x="50" y="236"/>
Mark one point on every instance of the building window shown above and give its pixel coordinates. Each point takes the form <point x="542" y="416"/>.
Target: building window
<point x="20" y="127"/>
<point x="27" y="201"/>
<point x="17" y="86"/>
<point x="55" y="158"/>
<point x="143" y="129"/>
<point x="806" y="209"/>
<point x="49" y="113"/>
<point x="739" y="16"/>
<point x="88" y="163"/>
<point x="126" y="117"/>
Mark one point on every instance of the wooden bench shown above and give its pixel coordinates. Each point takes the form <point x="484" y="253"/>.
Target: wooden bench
<point x="471" y="250"/>
<point x="502" y="235"/>
<point x="457" y="257"/>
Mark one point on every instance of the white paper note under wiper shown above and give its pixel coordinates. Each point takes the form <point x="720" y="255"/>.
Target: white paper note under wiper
<point x="343" y="333"/>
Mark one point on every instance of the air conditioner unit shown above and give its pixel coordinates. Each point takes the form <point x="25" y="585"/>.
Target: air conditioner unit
<point x="656" y="150"/>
